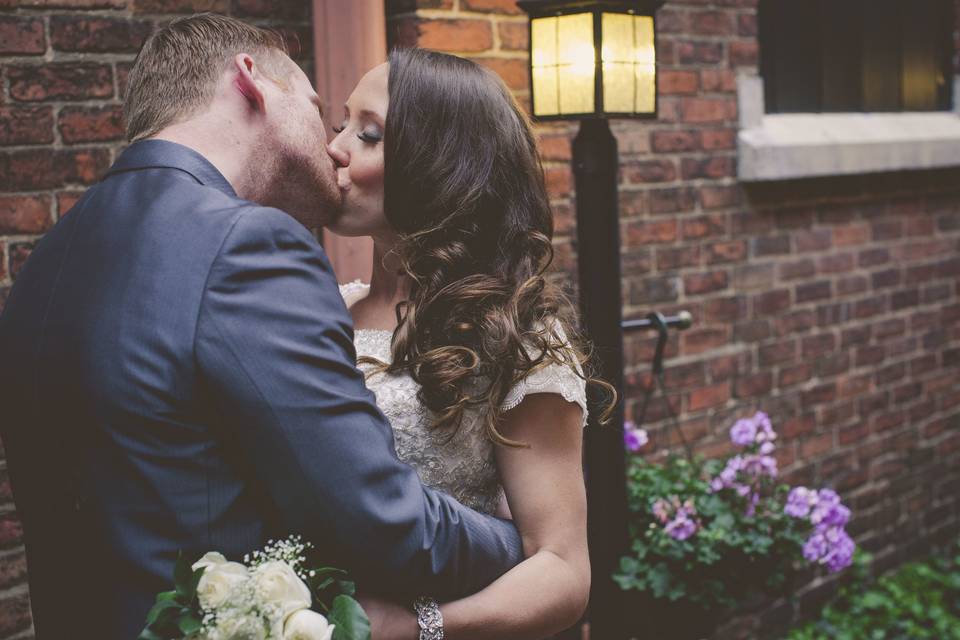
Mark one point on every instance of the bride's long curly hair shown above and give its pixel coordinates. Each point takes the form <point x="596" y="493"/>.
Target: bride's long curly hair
<point x="464" y="188"/>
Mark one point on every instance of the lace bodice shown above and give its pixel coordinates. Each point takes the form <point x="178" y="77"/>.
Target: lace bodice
<point x="462" y="466"/>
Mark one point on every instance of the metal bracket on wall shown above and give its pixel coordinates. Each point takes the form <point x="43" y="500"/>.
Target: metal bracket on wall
<point x="663" y="324"/>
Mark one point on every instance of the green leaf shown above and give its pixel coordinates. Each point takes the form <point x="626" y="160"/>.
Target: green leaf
<point x="350" y="619"/>
<point x="159" y="608"/>
<point x="182" y="575"/>
<point x="147" y="634"/>
<point x="190" y="625"/>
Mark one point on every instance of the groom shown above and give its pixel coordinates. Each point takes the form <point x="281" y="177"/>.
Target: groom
<point x="176" y="363"/>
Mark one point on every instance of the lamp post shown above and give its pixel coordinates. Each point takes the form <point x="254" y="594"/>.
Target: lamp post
<point x="591" y="61"/>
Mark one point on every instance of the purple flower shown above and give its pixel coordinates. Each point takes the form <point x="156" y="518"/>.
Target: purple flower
<point x="827" y="499"/>
<point x="815" y="547"/>
<point x="840" y="555"/>
<point x="836" y="516"/>
<point x="661" y="509"/>
<point x="633" y="438"/>
<point x="744" y="432"/>
<point x="765" y="432"/>
<point x="800" y="501"/>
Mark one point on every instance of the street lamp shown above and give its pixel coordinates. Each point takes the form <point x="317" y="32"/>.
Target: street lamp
<point x="591" y="61"/>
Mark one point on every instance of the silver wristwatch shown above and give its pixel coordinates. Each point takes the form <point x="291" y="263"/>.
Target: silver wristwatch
<point x="429" y="618"/>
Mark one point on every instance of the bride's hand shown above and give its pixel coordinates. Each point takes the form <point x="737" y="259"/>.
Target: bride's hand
<point x="389" y="620"/>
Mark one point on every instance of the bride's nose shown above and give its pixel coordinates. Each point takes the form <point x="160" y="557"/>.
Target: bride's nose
<point x="340" y="157"/>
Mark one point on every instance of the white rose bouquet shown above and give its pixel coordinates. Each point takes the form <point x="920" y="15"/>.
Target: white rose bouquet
<point x="273" y="595"/>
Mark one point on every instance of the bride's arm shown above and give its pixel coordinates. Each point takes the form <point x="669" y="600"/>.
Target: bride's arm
<point x="547" y="592"/>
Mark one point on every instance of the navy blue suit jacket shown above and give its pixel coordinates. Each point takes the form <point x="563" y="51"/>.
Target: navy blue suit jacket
<point x="177" y="373"/>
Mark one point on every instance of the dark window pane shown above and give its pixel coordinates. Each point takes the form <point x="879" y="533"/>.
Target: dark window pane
<point x="796" y="59"/>
<point x="881" y="54"/>
<point x="841" y="24"/>
<point x="921" y="55"/>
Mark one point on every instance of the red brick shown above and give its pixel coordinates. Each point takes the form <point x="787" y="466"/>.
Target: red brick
<point x="181" y="6"/>
<point x="723" y="252"/>
<point x="36" y="169"/>
<point x="97" y="35"/>
<point x="699" y="52"/>
<point x="810" y="291"/>
<point x="699" y="340"/>
<point x="703" y="227"/>
<point x="13" y="570"/>
<point x="3" y="275"/>
<point x="851" y="234"/>
<point x="799" y="426"/>
<point x="650" y="171"/>
<point x="747" y="24"/>
<point x="711" y="23"/>
<point x="718" y="80"/>
<point x="514" y="36"/>
<point x="24" y="214"/>
<point x="559" y="180"/>
<point x="514" y="71"/>
<point x="725" y="309"/>
<point x="719" y="197"/>
<point x="796" y="374"/>
<point x="707" y="110"/>
<point x="677" y="82"/>
<point x="672" y="141"/>
<point x="755" y="385"/>
<point x="797" y="321"/>
<point x="26" y="125"/>
<point x="771" y="302"/>
<point x="707" y="282"/>
<point x="66" y="200"/>
<point x="72" y="4"/>
<point x="771" y="245"/>
<point x="708" y="397"/>
<point x="644" y="233"/>
<point x="405" y="6"/>
<point x="19" y="252"/>
<point x="777" y="353"/>
<point x="744" y="53"/>
<point x="456" y="35"/>
<point x="60" y="81"/>
<point x="14" y="615"/>
<point x="798" y="269"/>
<point x="491" y="6"/>
<point x="707" y="168"/>
<point x="718" y="139"/>
<point x="672" y="21"/>
<point x="11" y="531"/>
<point x="274" y="9"/>
<point x="91" y="124"/>
<point x="555" y="148"/>
<point x="685" y="375"/>
<point x="671" y="200"/>
<point x="672" y="258"/>
<point x="22" y="36"/>
<point x="836" y="263"/>
<point x="813" y="240"/>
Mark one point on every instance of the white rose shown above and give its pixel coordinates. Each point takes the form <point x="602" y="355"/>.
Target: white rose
<point x="307" y="625"/>
<point x="218" y="581"/>
<point x="277" y="584"/>
<point x="208" y="560"/>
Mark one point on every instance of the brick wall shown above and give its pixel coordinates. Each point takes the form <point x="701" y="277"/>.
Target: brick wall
<point x="63" y="64"/>
<point x="832" y="304"/>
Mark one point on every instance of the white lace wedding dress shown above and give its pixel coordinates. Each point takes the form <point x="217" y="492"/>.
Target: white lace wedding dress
<point x="462" y="466"/>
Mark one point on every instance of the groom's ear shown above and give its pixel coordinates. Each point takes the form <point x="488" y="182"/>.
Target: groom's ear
<point x="247" y="74"/>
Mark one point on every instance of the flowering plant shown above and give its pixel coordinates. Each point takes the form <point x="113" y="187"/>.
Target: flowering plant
<point x="715" y="533"/>
<point x="270" y="596"/>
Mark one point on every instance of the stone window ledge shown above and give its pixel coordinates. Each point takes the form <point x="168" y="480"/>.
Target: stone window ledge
<point x="804" y="145"/>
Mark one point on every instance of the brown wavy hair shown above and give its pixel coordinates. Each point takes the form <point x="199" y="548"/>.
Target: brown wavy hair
<point x="464" y="188"/>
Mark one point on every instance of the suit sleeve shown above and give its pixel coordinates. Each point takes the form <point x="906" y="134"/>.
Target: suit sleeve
<point x="274" y="342"/>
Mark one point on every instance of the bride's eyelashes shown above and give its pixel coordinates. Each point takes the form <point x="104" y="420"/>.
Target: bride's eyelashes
<point x="370" y="134"/>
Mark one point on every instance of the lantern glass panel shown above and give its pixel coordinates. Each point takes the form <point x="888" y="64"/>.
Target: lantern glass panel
<point x="563" y="64"/>
<point x="646" y="68"/>
<point x="629" y="64"/>
<point x="619" y="84"/>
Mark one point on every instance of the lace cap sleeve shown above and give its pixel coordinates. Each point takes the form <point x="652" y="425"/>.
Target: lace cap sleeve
<point x="562" y="379"/>
<point x="353" y="291"/>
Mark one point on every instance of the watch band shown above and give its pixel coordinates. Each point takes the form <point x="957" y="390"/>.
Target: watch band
<point x="429" y="618"/>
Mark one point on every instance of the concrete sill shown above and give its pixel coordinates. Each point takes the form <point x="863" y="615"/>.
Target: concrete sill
<point x="788" y="146"/>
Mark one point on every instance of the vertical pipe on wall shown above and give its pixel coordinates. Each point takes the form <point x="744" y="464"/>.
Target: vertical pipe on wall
<point x="350" y="38"/>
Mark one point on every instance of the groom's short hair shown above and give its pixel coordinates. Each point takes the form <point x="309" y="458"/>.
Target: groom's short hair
<point x="177" y="71"/>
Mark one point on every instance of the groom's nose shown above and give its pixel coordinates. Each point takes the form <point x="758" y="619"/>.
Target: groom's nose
<point x="340" y="157"/>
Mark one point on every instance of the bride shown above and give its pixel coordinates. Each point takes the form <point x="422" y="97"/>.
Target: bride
<point x="462" y="339"/>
